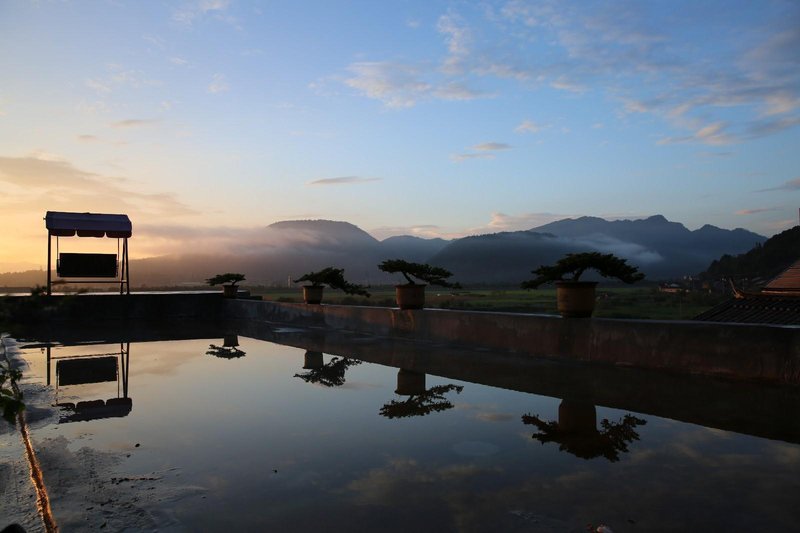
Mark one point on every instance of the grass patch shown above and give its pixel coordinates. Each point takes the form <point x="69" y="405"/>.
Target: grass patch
<point x="612" y="302"/>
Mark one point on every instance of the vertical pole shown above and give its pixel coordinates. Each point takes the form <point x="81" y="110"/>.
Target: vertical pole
<point x="49" y="253"/>
<point x="126" y="369"/>
<point x="121" y="266"/>
<point x="48" y="363"/>
<point x="127" y="267"/>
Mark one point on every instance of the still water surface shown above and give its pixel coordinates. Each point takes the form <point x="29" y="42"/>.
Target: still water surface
<point x="216" y="438"/>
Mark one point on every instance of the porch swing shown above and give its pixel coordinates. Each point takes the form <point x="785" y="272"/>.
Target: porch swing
<point x="100" y="267"/>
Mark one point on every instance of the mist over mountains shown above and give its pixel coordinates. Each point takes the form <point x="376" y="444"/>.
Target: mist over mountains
<point x="660" y="248"/>
<point x="284" y="250"/>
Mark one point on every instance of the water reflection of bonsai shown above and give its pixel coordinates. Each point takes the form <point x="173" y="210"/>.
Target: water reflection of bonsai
<point x="576" y="431"/>
<point x="330" y="374"/>
<point x="421" y="401"/>
<point x="228" y="350"/>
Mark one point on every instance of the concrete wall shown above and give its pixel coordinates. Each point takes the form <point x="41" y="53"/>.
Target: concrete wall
<point x="742" y="351"/>
<point x="769" y="353"/>
<point x="109" y="306"/>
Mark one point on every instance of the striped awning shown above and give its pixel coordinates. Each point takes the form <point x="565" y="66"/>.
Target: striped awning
<point x="63" y="224"/>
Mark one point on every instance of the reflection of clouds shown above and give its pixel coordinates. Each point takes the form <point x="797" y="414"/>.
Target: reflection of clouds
<point x="405" y="483"/>
<point x="495" y="417"/>
<point x="475" y="448"/>
<point x="786" y="454"/>
<point x="382" y="485"/>
<point x="576" y="479"/>
<point x="360" y="385"/>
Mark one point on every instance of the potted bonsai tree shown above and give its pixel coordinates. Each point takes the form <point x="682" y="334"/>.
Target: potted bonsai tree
<point x="576" y="298"/>
<point x="331" y="277"/>
<point x="411" y="295"/>
<point x="228" y="282"/>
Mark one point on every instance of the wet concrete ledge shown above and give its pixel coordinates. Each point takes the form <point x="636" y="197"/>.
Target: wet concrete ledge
<point x="740" y="351"/>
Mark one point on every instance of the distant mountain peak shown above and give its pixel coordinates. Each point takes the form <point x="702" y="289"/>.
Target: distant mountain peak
<point x="657" y="218"/>
<point x="318" y="224"/>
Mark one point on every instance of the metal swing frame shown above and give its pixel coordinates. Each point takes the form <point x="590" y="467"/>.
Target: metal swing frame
<point x="64" y="224"/>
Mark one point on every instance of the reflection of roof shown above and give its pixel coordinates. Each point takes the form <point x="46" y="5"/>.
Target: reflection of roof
<point x="96" y="409"/>
<point x="64" y="224"/>
<point x="787" y="282"/>
<point x="756" y="309"/>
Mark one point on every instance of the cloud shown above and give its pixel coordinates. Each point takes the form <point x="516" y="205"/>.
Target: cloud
<point x="219" y="84"/>
<point x="394" y="84"/>
<point x="458" y="38"/>
<point x="481" y="151"/>
<point x="118" y="76"/>
<point x="98" y="86"/>
<point x="757" y="210"/>
<point x="343" y="180"/>
<point x="744" y="86"/>
<point x="529" y="126"/>
<point x="458" y="91"/>
<point x="175" y="60"/>
<point x="464" y="157"/>
<point x="713" y="134"/>
<point x="59" y="185"/>
<point x="424" y="231"/>
<point x="791" y="185"/>
<point x="194" y="10"/>
<point x="764" y="127"/>
<point x="401" y="85"/>
<point x="133" y="123"/>
<point x="715" y="154"/>
<point x="627" y="250"/>
<point x="491" y="146"/>
<point x="503" y="222"/>
<point x="87" y="138"/>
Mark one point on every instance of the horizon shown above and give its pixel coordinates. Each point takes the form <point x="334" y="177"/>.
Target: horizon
<point x="431" y="120"/>
<point x="252" y="237"/>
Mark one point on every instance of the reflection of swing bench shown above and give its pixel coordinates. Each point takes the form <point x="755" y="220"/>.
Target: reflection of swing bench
<point x="72" y="265"/>
<point x="89" y="267"/>
<point x="94" y="409"/>
<point x="88" y="369"/>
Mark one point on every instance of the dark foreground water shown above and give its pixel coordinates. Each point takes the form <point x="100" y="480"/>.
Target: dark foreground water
<point x="196" y="436"/>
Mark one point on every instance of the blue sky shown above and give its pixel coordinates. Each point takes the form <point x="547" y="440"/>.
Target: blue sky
<point x="425" y="118"/>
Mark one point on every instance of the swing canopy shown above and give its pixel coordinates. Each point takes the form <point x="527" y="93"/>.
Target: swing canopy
<point x="64" y="224"/>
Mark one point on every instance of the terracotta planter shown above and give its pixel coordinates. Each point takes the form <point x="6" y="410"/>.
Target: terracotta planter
<point x="575" y="298"/>
<point x="230" y="341"/>
<point x="410" y="383"/>
<point x="410" y="296"/>
<point x="229" y="291"/>
<point x="312" y="294"/>
<point x="312" y="360"/>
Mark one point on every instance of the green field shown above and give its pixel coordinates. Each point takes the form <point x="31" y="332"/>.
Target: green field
<point x="614" y="302"/>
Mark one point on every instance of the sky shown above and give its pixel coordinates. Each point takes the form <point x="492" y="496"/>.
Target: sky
<point x="428" y="118"/>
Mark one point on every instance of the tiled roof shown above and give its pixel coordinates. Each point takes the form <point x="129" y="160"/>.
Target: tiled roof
<point x="787" y="281"/>
<point x="756" y="309"/>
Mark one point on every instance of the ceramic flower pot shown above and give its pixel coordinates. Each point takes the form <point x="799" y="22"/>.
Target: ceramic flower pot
<point x="229" y="291"/>
<point x="410" y="296"/>
<point x="575" y="299"/>
<point x="312" y="294"/>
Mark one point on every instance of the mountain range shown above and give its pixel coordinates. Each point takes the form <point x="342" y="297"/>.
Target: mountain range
<point x="288" y="249"/>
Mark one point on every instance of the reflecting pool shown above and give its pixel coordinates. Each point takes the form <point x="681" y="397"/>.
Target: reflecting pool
<point x="238" y="434"/>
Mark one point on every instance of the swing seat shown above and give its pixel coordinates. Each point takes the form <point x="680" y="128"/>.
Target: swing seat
<point x="74" y="265"/>
<point x="82" y="371"/>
